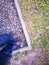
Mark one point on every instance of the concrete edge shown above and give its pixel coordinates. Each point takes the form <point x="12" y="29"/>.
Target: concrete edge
<point x="24" y="29"/>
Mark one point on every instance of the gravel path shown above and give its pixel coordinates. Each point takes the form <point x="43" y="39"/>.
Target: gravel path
<point x="9" y="20"/>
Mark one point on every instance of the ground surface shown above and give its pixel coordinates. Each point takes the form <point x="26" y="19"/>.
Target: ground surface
<point x="9" y="20"/>
<point x="40" y="56"/>
<point x="36" y="17"/>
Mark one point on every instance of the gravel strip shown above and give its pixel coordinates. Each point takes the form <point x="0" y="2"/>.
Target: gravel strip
<point x="9" y="20"/>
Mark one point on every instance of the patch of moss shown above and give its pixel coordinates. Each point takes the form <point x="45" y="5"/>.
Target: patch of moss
<point x="36" y="11"/>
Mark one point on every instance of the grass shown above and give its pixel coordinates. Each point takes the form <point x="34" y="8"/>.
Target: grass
<point x="36" y="17"/>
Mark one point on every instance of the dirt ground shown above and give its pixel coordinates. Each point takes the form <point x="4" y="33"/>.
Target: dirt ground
<point x="40" y="56"/>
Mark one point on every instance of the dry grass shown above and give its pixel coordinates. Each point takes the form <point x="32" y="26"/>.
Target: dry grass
<point x="36" y="17"/>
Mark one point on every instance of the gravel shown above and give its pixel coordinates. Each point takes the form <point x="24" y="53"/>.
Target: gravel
<point x="9" y="20"/>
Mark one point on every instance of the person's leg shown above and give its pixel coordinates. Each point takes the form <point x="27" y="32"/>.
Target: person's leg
<point x="6" y="52"/>
<point x="4" y="59"/>
<point x="4" y="38"/>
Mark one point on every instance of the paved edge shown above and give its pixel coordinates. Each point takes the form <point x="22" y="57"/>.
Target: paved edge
<point x="24" y="29"/>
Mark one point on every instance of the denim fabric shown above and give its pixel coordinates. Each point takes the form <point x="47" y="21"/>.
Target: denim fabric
<point x="6" y="40"/>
